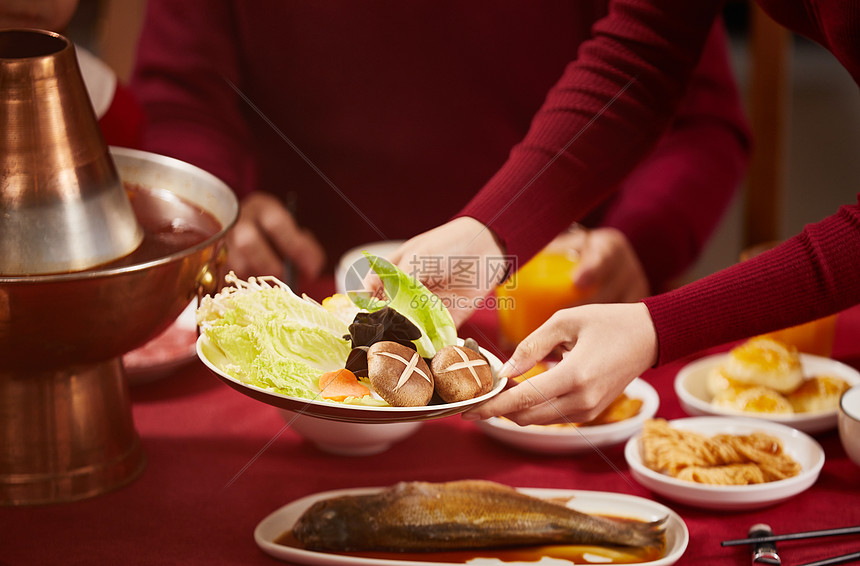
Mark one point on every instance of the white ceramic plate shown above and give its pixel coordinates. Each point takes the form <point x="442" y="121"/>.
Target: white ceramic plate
<point x="167" y="352"/>
<point x="333" y="410"/>
<point x="571" y="439"/>
<point x="691" y="388"/>
<point x="800" y="446"/>
<point x="594" y="502"/>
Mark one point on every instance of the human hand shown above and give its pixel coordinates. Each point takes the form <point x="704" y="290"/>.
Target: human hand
<point x="460" y="261"/>
<point x="608" y="270"/>
<point x="604" y="348"/>
<point x="265" y="236"/>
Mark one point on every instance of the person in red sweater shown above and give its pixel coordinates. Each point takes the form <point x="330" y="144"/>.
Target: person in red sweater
<point x="598" y="120"/>
<point x="380" y="120"/>
<point x="120" y="116"/>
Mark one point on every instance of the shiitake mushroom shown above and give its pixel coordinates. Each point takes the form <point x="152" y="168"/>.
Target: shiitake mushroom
<point x="461" y="373"/>
<point x="399" y="375"/>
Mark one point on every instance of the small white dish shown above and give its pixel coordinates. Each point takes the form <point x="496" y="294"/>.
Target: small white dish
<point x="167" y="352"/>
<point x="346" y="438"/>
<point x="691" y="388"/>
<point x="849" y="423"/>
<point x="325" y="409"/>
<point x="572" y="439"/>
<point x="800" y="446"/>
<point x="270" y="529"/>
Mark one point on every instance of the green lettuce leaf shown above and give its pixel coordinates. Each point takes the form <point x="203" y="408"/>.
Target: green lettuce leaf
<point x="412" y="299"/>
<point x="270" y="337"/>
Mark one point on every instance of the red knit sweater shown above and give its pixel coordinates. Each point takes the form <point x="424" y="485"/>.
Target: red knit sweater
<point x="603" y="114"/>
<point x="403" y="110"/>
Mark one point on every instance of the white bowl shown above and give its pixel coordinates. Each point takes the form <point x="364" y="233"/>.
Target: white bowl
<point x="352" y="266"/>
<point x="349" y="439"/>
<point x="849" y="423"/>
<point x="800" y="446"/>
<point x="572" y="439"/>
<point x="691" y="388"/>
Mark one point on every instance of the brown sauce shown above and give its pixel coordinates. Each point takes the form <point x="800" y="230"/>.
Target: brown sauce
<point x="170" y="224"/>
<point x="575" y="554"/>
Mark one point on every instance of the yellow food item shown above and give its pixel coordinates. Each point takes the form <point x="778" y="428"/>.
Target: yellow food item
<point x="622" y="408"/>
<point x="536" y="369"/>
<point x="341" y="306"/>
<point x="732" y="474"/>
<point x="764" y="361"/>
<point x="754" y="399"/>
<point x="818" y="393"/>
<point x="764" y="376"/>
<point x="721" y="459"/>
<point x="717" y="382"/>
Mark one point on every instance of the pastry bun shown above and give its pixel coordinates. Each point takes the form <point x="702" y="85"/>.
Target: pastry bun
<point x="766" y="362"/>
<point x="753" y="399"/>
<point x="818" y="393"/>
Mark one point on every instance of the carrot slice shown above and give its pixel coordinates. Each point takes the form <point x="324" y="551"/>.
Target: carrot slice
<point x="340" y="384"/>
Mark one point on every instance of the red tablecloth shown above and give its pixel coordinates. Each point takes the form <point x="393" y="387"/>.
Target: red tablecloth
<point x="219" y="462"/>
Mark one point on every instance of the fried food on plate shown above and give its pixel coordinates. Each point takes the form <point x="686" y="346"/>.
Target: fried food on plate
<point x="720" y="459"/>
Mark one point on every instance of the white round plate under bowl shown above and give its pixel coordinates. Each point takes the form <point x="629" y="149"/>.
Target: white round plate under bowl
<point x="800" y="446"/>
<point x="570" y="439"/>
<point x="270" y="529"/>
<point x="167" y="352"/>
<point x="212" y="357"/>
<point x="692" y="391"/>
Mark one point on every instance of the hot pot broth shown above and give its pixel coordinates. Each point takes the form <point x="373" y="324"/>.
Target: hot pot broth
<point x="170" y="224"/>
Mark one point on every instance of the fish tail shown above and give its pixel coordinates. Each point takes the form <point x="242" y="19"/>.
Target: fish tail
<point x="647" y="534"/>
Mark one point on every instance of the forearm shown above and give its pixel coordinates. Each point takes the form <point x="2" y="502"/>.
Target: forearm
<point x="670" y="205"/>
<point x="605" y="113"/>
<point x="814" y="274"/>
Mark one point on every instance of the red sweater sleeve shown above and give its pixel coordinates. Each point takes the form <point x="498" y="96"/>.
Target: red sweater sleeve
<point x="669" y="206"/>
<point x="197" y="113"/>
<point x="811" y="275"/>
<point x="605" y="113"/>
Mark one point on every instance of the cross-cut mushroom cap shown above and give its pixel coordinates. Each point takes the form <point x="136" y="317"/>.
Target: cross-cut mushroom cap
<point x="399" y="375"/>
<point x="461" y="373"/>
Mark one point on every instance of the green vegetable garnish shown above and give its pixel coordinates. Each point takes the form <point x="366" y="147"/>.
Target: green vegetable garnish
<point x="266" y="335"/>
<point x="412" y="299"/>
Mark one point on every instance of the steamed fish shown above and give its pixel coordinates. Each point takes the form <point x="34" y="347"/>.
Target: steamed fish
<point x="459" y="515"/>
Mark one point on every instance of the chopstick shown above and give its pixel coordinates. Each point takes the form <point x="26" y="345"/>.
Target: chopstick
<point x="841" y="559"/>
<point x="795" y="536"/>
